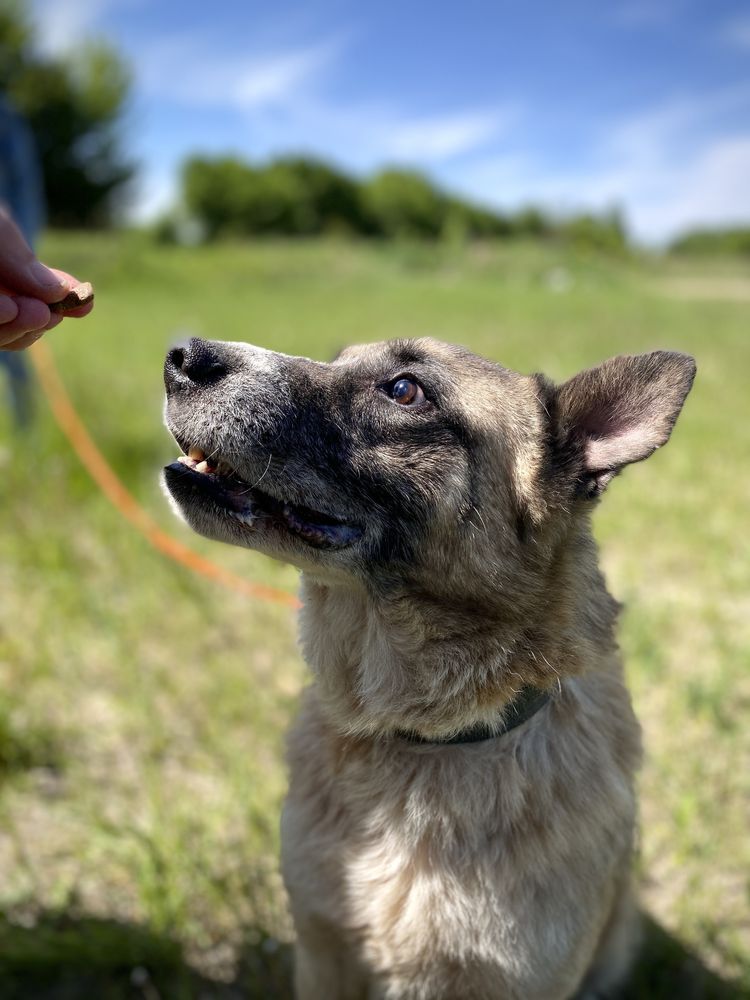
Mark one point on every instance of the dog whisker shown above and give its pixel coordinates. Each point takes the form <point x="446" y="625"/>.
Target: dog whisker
<point x="268" y="466"/>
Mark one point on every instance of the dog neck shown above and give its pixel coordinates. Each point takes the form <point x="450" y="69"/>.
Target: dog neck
<point x="401" y="664"/>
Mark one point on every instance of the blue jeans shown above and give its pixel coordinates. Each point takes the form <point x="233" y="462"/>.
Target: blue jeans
<point x="19" y="384"/>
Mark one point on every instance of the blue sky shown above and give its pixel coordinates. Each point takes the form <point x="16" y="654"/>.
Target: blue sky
<point x="643" y="104"/>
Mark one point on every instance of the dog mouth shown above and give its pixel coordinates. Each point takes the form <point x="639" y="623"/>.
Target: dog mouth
<point x="218" y="482"/>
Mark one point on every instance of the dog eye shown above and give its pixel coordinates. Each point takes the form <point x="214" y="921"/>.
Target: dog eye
<point x="406" y="392"/>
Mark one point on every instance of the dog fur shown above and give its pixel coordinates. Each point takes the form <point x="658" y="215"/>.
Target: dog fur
<point x="452" y="564"/>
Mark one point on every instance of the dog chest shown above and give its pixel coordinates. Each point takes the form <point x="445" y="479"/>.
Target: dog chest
<point x="458" y="860"/>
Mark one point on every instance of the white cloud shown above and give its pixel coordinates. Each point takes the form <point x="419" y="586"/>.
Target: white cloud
<point x="678" y="164"/>
<point x="282" y="101"/>
<point x="710" y="189"/>
<point x="736" y="32"/>
<point x="442" y="137"/>
<point x="277" y="78"/>
<point x="645" y="13"/>
<point x="188" y="70"/>
<point x="154" y="194"/>
<point x="685" y="119"/>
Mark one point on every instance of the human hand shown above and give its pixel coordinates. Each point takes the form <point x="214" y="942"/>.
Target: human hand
<point x="27" y="289"/>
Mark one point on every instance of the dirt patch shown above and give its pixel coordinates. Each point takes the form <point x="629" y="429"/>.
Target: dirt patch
<point x="706" y="288"/>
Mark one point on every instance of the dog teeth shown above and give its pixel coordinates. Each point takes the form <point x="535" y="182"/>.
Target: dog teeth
<point x="196" y="461"/>
<point x="246" y="517"/>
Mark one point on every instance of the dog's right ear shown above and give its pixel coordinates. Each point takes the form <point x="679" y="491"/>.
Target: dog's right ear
<point x="621" y="412"/>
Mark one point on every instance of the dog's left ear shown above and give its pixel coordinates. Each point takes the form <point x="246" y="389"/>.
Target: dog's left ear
<point x="622" y="411"/>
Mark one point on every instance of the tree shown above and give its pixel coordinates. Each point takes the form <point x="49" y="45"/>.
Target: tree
<point x="318" y="197"/>
<point x="596" y="232"/>
<point x="291" y="196"/>
<point x="219" y="193"/>
<point x="303" y="196"/>
<point x="733" y="241"/>
<point x="406" y="203"/>
<point x="532" y="222"/>
<point x="73" y="106"/>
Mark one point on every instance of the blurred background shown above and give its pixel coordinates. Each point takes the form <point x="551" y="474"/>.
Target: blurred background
<point x="548" y="184"/>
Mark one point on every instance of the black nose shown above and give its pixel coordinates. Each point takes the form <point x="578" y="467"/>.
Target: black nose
<point x="194" y="360"/>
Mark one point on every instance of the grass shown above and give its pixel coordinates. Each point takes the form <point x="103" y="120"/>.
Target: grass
<point x="142" y="709"/>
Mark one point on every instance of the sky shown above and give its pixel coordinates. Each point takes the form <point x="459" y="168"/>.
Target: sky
<point x="643" y="104"/>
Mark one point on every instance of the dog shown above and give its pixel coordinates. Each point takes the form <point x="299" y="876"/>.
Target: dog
<point x="461" y="814"/>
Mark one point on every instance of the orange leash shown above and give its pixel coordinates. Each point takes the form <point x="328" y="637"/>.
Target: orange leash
<point x="108" y="482"/>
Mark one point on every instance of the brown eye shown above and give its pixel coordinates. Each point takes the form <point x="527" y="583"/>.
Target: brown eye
<point x="407" y="392"/>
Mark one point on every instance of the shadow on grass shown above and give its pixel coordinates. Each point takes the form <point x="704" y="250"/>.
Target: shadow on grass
<point x="62" y="958"/>
<point x="65" y="958"/>
<point x="666" y="970"/>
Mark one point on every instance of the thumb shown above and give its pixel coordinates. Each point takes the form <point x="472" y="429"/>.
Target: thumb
<point x="20" y="272"/>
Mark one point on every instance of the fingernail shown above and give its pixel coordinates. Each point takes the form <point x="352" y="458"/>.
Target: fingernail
<point x="42" y="276"/>
<point x="8" y="309"/>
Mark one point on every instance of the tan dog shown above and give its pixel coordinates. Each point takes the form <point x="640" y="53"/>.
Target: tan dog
<point x="461" y="814"/>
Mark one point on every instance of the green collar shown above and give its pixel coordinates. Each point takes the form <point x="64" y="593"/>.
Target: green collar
<point x="527" y="702"/>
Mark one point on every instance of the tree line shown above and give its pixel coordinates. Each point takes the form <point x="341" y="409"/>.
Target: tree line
<point x="305" y="196"/>
<point x="732" y="241"/>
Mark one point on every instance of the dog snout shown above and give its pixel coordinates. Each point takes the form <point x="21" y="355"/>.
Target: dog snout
<point x="194" y="361"/>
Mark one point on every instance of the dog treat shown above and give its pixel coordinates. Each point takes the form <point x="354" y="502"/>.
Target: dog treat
<point x="79" y="296"/>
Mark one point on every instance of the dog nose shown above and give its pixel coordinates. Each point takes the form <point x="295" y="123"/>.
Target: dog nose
<point x="194" y="360"/>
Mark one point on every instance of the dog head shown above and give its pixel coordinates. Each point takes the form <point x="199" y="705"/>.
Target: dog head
<point x="412" y="468"/>
<point x="398" y="460"/>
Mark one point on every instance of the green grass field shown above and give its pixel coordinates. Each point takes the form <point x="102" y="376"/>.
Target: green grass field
<point x="143" y="709"/>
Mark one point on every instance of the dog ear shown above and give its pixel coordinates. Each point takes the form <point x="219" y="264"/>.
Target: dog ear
<point x="622" y="411"/>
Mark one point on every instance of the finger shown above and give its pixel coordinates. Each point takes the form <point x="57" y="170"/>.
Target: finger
<point x="53" y="322"/>
<point x="8" y="309"/>
<point x="24" y="341"/>
<point x="67" y="279"/>
<point x="71" y="283"/>
<point x="27" y="339"/>
<point x="20" y="271"/>
<point x="32" y="315"/>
